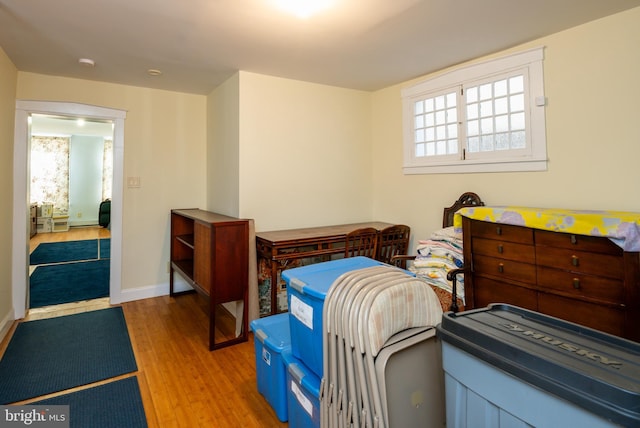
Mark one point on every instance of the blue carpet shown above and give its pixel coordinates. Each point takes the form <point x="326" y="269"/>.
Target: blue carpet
<point x="113" y="405"/>
<point x="58" y="252"/>
<point x="68" y="282"/>
<point x="105" y="248"/>
<point x="57" y="354"/>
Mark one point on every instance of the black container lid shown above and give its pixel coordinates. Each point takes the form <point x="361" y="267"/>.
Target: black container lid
<point x="594" y="370"/>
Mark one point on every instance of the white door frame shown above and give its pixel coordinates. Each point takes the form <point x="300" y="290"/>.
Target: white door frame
<point x="21" y="172"/>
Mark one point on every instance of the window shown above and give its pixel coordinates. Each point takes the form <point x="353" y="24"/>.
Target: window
<point x="482" y="118"/>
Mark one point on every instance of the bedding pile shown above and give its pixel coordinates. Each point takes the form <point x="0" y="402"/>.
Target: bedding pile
<point x="435" y="257"/>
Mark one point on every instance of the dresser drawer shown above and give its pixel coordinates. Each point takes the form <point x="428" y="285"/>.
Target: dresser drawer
<point x="505" y="250"/>
<point x="606" y="265"/>
<point x="594" y="244"/>
<point x="580" y="285"/>
<point x="503" y="232"/>
<point x="488" y="291"/>
<point x="504" y="269"/>
<point x="604" y="318"/>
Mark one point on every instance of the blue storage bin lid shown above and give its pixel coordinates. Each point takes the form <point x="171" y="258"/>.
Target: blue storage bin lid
<point x="273" y="331"/>
<point x="302" y="375"/>
<point x="594" y="370"/>
<point x="316" y="279"/>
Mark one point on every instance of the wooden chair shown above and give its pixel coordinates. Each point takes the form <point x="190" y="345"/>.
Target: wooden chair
<point x="393" y="241"/>
<point x="362" y="242"/>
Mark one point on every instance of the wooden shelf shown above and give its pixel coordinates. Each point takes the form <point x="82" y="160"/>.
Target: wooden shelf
<point x="211" y="252"/>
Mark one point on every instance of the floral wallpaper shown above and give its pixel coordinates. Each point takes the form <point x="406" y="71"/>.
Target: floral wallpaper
<point x="50" y="171"/>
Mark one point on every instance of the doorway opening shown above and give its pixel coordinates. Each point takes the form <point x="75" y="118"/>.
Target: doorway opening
<point x="26" y="111"/>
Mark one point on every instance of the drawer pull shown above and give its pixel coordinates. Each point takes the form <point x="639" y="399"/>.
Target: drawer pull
<point x="500" y="249"/>
<point x="498" y="230"/>
<point x="575" y="260"/>
<point x="576" y="283"/>
<point x="500" y="268"/>
<point x="574" y="239"/>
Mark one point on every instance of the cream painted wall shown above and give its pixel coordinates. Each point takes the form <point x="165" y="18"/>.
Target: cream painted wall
<point x="593" y="137"/>
<point x="305" y="157"/>
<point x="223" y="194"/>
<point x="165" y="142"/>
<point x="8" y="83"/>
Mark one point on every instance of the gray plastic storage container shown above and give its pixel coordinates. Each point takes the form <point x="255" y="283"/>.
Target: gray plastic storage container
<point x="508" y="366"/>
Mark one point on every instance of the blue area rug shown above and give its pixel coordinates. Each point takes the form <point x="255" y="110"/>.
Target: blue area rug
<point x="105" y="248"/>
<point x="68" y="282"/>
<point x="57" y="354"/>
<point x="113" y="405"/>
<point x="58" y="252"/>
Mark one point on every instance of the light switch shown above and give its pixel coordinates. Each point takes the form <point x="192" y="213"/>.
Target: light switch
<point x="133" y="182"/>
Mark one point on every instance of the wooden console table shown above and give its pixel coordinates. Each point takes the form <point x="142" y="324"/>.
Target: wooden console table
<point x="211" y="251"/>
<point x="285" y="249"/>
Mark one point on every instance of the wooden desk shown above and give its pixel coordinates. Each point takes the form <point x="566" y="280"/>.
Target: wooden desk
<point x="285" y="249"/>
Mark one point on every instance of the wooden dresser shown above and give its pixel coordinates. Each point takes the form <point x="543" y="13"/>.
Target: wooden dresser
<point x="588" y="280"/>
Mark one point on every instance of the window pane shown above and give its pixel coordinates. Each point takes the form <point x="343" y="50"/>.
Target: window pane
<point x="473" y="144"/>
<point x="431" y="149"/>
<point x="500" y="88"/>
<point x="486" y="109"/>
<point x="452" y="115"/>
<point x="429" y="119"/>
<point x="430" y="134"/>
<point x="439" y="102"/>
<point x="517" y="121"/>
<point x="502" y="141"/>
<point x="452" y="131"/>
<point x="419" y="122"/>
<point x="451" y="99"/>
<point x="501" y="106"/>
<point x="420" y="150"/>
<point x="516" y="102"/>
<point x="472" y="95"/>
<point x="473" y="127"/>
<point x="441" y="132"/>
<point x="419" y="107"/>
<point x="518" y="140"/>
<point x="502" y="123"/>
<point x="486" y="125"/>
<point x="485" y="91"/>
<point x="453" y="146"/>
<point x="419" y="135"/>
<point x="472" y="111"/>
<point x="487" y="143"/>
<point x="440" y="117"/>
<point x="428" y="105"/>
<point x="516" y="84"/>
<point x="441" y="148"/>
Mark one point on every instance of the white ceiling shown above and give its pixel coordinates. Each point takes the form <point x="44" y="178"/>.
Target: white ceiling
<point x="360" y="44"/>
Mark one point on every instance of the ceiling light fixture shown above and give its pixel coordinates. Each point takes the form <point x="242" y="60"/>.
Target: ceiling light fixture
<point x="87" y="62"/>
<point x="303" y="8"/>
<point x="154" y="72"/>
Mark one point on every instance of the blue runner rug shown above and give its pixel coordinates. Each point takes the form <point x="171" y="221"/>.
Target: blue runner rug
<point x="112" y="405"/>
<point x="68" y="282"/>
<point x="58" y="252"/>
<point x="57" y="354"/>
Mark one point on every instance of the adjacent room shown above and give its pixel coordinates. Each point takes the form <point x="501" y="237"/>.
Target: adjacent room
<point x="235" y="214"/>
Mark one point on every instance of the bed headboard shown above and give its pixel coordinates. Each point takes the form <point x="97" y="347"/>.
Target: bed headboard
<point x="467" y="199"/>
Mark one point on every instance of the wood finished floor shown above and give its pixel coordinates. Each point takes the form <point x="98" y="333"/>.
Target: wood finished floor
<point x="182" y="383"/>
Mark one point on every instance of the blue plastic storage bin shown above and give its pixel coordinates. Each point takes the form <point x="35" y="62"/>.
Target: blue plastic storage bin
<point x="303" y="394"/>
<point x="272" y="341"/>
<point x="506" y="366"/>
<point x="307" y="287"/>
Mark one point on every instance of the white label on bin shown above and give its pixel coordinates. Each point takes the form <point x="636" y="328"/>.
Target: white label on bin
<point x="266" y="356"/>
<point x="302" y="311"/>
<point x="302" y="399"/>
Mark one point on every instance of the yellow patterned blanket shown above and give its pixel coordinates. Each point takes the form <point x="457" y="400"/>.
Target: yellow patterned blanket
<point x="623" y="228"/>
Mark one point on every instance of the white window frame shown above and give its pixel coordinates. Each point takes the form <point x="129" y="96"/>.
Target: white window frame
<point x="533" y="158"/>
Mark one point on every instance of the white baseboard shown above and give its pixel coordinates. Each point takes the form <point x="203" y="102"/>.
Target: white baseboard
<point x="5" y="324"/>
<point x="129" y="295"/>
